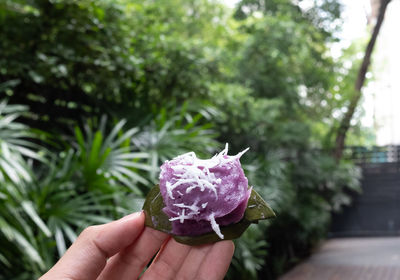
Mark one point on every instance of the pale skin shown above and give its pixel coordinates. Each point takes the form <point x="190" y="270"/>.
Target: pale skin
<point x="121" y="250"/>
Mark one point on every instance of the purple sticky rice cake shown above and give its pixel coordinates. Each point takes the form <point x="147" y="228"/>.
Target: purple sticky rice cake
<point x="202" y="195"/>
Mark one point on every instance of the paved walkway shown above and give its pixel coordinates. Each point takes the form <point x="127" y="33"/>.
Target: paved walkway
<point x="351" y="259"/>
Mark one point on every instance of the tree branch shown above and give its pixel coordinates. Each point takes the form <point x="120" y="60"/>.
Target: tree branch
<point x="345" y="123"/>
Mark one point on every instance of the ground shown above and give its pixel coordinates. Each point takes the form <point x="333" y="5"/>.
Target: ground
<point x="351" y="259"/>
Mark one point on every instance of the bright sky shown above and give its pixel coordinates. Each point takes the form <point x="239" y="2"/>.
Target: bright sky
<point x="382" y="97"/>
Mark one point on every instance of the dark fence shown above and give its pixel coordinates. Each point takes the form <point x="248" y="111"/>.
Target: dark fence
<point x="376" y="211"/>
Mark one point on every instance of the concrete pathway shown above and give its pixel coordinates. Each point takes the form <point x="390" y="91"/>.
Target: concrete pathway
<point x="351" y="259"/>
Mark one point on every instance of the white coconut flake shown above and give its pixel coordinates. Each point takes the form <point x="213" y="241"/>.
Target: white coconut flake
<point x="182" y="217"/>
<point x="215" y="226"/>
<point x="239" y="155"/>
<point x="169" y="189"/>
<point x="194" y="208"/>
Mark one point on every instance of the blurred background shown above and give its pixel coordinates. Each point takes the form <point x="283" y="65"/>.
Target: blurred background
<point x="96" y="94"/>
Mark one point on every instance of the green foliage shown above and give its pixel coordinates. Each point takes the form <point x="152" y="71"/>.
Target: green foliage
<point x="250" y="252"/>
<point x="71" y="59"/>
<point x="276" y="64"/>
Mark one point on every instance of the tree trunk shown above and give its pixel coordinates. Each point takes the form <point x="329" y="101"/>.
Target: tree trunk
<point x="345" y="123"/>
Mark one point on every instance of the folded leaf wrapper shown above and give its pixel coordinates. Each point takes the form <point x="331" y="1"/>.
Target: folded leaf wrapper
<point x="256" y="209"/>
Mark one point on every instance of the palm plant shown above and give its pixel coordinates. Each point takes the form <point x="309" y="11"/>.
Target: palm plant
<point x="42" y="217"/>
<point x="19" y="220"/>
<point x="44" y="206"/>
<point x="109" y="160"/>
<point x="15" y="144"/>
<point x="20" y="250"/>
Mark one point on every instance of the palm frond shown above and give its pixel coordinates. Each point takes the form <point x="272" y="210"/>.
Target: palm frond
<point x="109" y="160"/>
<point x="16" y="145"/>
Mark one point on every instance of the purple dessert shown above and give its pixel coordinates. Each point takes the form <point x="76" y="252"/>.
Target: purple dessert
<point x="202" y="195"/>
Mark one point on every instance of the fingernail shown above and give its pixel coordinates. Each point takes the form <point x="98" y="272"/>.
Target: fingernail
<point x="132" y="216"/>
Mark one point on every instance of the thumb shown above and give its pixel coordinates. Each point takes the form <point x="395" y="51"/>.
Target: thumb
<point x="88" y="255"/>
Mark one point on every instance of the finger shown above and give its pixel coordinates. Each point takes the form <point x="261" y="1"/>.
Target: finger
<point x="192" y="262"/>
<point x="87" y="256"/>
<point x="129" y="263"/>
<point x="168" y="261"/>
<point x="216" y="263"/>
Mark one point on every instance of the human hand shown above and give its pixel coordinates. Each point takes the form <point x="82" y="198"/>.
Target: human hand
<point x="121" y="249"/>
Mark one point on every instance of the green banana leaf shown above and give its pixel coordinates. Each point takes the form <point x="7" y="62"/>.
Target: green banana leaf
<point x="257" y="209"/>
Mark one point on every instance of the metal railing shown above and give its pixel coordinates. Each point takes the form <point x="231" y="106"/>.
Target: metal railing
<point x="373" y="155"/>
